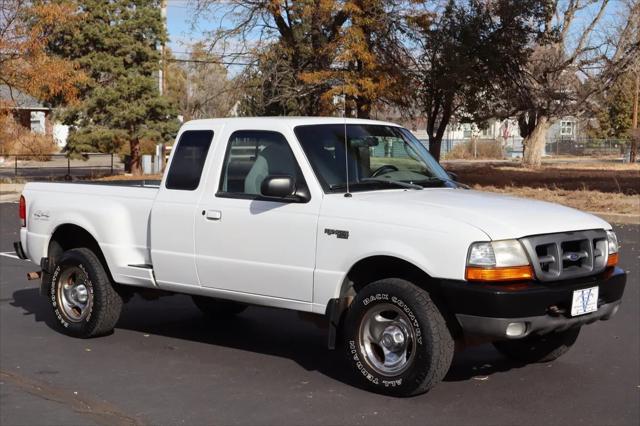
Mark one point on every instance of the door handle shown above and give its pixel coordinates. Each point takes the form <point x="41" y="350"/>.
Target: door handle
<point x="213" y="215"/>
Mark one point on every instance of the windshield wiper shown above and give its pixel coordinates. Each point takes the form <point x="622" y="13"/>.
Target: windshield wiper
<point x="394" y="182"/>
<point x="376" y="180"/>
<point x="443" y="180"/>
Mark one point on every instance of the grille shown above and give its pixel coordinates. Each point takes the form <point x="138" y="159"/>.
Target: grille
<point x="567" y="255"/>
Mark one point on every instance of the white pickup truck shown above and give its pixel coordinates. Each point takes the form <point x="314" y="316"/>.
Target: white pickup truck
<point x="349" y="219"/>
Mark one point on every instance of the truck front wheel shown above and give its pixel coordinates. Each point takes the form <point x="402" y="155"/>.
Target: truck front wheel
<point x="538" y="348"/>
<point x="81" y="294"/>
<point x="218" y="308"/>
<point x="397" y="341"/>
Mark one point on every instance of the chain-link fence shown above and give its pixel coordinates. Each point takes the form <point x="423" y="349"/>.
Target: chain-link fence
<point x="589" y="147"/>
<point x="580" y="147"/>
<point x="59" y="166"/>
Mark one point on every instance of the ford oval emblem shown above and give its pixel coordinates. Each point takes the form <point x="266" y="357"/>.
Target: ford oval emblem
<point x="574" y="256"/>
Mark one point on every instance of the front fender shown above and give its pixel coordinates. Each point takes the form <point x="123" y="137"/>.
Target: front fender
<point x="438" y="253"/>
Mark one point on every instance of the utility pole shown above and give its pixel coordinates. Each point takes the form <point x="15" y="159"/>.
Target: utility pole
<point x="635" y="133"/>
<point x="162" y="73"/>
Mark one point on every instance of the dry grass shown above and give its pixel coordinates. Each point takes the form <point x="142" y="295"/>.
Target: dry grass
<point x="578" y="167"/>
<point x="602" y="177"/>
<point x="131" y="177"/>
<point x="595" y="201"/>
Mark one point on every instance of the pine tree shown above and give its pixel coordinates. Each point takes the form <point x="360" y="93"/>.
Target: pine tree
<point x="613" y="110"/>
<point x="116" y="43"/>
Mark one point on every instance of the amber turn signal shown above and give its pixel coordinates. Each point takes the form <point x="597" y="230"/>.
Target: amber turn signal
<point x="510" y="273"/>
<point x="613" y="259"/>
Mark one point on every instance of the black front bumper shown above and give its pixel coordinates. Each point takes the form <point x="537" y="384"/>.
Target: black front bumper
<point x="542" y="306"/>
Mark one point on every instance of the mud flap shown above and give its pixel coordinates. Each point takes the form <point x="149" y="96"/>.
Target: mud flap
<point x="335" y="312"/>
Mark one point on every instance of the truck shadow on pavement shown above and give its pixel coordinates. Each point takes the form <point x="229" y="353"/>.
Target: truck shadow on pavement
<point x="260" y="330"/>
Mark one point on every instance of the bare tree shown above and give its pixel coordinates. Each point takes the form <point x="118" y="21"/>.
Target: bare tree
<point x="635" y="133"/>
<point x="466" y="50"/>
<point x="200" y="86"/>
<point x="576" y="58"/>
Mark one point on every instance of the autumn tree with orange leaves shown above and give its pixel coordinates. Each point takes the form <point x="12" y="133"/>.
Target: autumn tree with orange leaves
<point x="370" y="61"/>
<point x="327" y="54"/>
<point x="25" y="28"/>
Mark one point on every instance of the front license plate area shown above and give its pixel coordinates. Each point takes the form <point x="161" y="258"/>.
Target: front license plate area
<point x="584" y="301"/>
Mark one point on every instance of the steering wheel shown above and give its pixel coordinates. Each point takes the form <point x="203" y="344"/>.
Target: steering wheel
<point x="384" y="169"/>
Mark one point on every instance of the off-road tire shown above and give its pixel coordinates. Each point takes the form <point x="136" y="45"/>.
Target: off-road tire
<point x="218" y="308"/>
<point x="538" y="348"/>
<point x="433" y="345"/>
<point x="106" y="303"/>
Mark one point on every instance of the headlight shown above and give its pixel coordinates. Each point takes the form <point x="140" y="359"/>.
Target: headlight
<point x="503" y="260"/>
<point x="612" y="248"/>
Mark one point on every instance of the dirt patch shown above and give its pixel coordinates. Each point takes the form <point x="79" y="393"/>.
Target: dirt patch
<point x="624" y="179"/>
<point x="594" y="201"/>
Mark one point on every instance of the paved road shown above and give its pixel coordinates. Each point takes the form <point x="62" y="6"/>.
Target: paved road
<point x="165" y="364"/>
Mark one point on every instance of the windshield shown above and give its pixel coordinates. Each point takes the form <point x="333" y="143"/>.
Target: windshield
<point x="379" y="157"/>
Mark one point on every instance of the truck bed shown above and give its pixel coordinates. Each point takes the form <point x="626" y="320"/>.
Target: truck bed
<point x="116" y="214"/>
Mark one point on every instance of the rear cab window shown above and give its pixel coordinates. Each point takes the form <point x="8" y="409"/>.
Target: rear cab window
<point x="188" y="160"/>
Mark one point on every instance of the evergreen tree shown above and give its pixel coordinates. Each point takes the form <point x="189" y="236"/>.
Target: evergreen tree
<point x="116" y="43"/>
<point x="613" y="110"/>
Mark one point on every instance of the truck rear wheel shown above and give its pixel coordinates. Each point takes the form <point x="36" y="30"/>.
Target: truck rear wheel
<point x="538" y="348"/>
<point x="218" y="308"/>
<point x="397" y="341"/>
<point x="81" y="294"/>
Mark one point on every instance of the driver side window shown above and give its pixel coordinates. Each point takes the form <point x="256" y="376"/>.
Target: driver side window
<point x="252" y="155"/>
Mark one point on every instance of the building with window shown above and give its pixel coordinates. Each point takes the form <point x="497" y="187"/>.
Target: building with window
<point x="567" y="128"/>
<point x="506" y="131"/>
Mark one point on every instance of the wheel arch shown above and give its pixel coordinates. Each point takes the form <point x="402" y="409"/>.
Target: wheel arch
<point x="69" y="236"/>
<point x="378" y="267"/>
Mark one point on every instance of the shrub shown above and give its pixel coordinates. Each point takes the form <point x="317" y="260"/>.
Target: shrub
<point x="15" y="139"/>
<point x="483" y="150"/>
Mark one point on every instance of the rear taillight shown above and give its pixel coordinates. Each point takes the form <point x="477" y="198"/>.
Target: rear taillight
<point x="23" y="211"/>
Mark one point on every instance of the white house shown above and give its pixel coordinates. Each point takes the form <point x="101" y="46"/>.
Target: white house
<point x="506" y="131"/>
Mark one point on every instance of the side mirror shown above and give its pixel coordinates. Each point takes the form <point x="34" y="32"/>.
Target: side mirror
<point x="278" y="186"/>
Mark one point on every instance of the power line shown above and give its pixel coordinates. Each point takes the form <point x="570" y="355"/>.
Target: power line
<point x="207" y="61"/>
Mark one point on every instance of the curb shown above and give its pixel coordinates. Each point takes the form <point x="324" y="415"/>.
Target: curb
<point x="10" y="192"/>
<point x="12" y="197"/>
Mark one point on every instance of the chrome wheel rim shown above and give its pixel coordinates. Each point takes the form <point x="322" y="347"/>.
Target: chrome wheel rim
<point x="74" y="296"/>
<point x="387" y="339"/>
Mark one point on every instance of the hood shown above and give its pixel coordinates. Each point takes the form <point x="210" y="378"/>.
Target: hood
<point x="498" y="216"/>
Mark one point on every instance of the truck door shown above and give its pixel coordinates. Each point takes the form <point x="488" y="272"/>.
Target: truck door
<point x="251" y="244"/>
<point x="172" y="215"/>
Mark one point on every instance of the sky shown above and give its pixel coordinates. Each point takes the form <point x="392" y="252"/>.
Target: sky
<point x="183" y="31"/>
<point x="179" y="25"/>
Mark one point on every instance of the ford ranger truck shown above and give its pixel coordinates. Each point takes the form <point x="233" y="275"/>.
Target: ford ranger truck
<point x="350" y="219"/>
